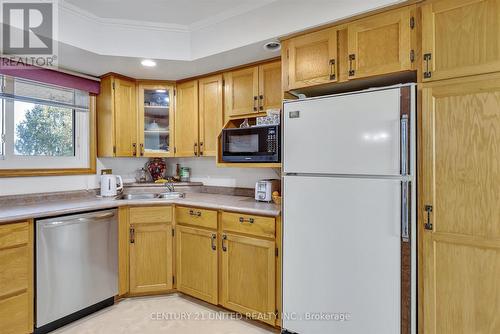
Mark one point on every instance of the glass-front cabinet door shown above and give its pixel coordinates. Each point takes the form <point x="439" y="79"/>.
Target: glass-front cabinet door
<point x="155" y="120"/>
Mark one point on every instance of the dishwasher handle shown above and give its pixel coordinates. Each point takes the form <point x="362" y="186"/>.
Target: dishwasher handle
<point x="87" y="218"/>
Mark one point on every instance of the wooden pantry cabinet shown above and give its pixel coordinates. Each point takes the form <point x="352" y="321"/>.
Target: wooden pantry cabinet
<point x="460" y="38"/>
<point x="196" y="253"/>
<point x="251" y="90"/>
<point x="460" y="212"/>
<point x="16" y="277"/>
<point x="150" y="249"/>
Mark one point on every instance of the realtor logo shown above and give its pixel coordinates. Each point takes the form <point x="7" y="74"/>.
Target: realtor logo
<point x="28" y="30"/>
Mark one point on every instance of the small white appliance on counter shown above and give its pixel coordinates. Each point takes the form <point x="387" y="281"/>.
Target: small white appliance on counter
<point x="111" y="185"/>
<point x="264" y="189"/>
<point x="349" y="213"/>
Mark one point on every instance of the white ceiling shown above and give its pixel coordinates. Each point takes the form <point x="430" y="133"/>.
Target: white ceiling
<point x="185" y="37"/>
<point x="181" y="12"/>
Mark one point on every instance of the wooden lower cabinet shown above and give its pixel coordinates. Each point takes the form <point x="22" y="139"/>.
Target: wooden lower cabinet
<point x="150" y="247"/>
<point x="196" y="263"/>
<point x="16" y="278"/>
<point x="460" y="196"/>
<point x="249" y="276"/>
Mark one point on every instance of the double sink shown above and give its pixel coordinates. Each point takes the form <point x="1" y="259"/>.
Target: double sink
<point x="167" y="195"/>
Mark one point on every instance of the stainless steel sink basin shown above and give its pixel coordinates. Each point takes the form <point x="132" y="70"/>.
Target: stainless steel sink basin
<point x="171" y="195"/>
<point x="137" y="196"/>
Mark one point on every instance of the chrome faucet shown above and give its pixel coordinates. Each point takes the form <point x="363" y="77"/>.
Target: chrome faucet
<point x="170" y="186"/>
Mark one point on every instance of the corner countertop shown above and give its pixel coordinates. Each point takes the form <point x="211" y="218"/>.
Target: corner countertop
<point x="48" y="208"/>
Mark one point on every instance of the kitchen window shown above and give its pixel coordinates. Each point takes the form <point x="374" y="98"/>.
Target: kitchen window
<point x="44" y="127"/>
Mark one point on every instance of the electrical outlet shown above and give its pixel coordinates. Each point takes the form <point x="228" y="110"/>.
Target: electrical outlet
<point x="106" y="171"/>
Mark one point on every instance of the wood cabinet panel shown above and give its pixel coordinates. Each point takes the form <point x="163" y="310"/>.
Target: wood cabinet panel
<point x="270" y="94"/>
<point x="196" y="262"/>
<point x="248" y="276"/>
<point x="241" y="91"/>
<point x="153" y="214"/>
<point x="460" y="38"/>
<point x="150" y="250"/>
<point x="249" y="224"/>
<point x="186" y="120"/>
<point x="16" y="277"/>
<point x="380" y="44"/>
<point x="210" y="114"/>
<point x="125" y="117"/>
<point x="196" y="217"/>
<point x="312" y="59"/>
<point x="461" y="250"/>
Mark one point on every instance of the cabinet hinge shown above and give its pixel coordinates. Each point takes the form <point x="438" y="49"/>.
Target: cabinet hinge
<point x="113" y="84"/>
<point x="173" y="279"/>
<point x="175" y="150"/>
<point x="175" y="92"/>
<point x="173" y="232"/>
<point x="412" y="22"/>
<point x="114" y="149"/>
<point x="412" y="56"/>
<point x="223" y="83"/>
<point x="287" y="53"/>
<point x="277" y="251"/>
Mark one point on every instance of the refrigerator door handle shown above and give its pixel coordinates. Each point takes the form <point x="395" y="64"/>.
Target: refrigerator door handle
<point x="405" y="211"/>
<point x="404" y="144"/>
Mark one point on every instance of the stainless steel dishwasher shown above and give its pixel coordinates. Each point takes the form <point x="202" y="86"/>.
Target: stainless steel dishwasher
<point x="76" y="267"/>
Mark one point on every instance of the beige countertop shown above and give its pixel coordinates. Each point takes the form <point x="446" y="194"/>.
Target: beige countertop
<point x="20" y="210"/>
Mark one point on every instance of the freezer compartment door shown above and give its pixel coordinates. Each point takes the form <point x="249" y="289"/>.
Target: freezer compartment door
<point x="341" y="255"/>
<point x="346" y="134"/>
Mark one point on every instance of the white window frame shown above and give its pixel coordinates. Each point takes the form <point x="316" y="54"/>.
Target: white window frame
<point x="81" y="163"/>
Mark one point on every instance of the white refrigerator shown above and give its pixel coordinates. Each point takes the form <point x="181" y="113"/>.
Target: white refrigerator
<point x="349" y="213"/>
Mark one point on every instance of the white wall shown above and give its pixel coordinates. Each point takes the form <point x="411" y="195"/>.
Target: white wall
<point x="202" y="170"/>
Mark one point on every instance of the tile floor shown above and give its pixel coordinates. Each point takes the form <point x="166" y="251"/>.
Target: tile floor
<point x="162" y="315"/>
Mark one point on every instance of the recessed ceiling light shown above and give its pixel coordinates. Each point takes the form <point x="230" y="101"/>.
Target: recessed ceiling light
<point x="272" y="46"/>
<point x="148" y="63"/>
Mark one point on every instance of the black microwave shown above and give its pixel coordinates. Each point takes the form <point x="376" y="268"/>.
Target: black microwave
<point x="253" y="144"/>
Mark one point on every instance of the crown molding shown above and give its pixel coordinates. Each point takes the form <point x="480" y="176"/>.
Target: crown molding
<point x="121" y="23"/>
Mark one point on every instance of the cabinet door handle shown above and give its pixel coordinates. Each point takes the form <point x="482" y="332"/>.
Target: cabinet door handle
<point x="201" y="149"/>
<point x="224" y="247"/>
<point x="195" y="213"/>
<point x="134" y="149"/>
<point x="250" y="220"/>
<point x="261" y="102"/>
<point x="132" y="234"/>
<point x="427" y="59"/>
<point x="142" y="149"/>
<point x="214" y="244"/>
<point x="195" y="149"/>
<point x="255" y="99"/>
<point x="352" y="71"/>
<point x="333" y="70"/>
<point x="428" y="225"/>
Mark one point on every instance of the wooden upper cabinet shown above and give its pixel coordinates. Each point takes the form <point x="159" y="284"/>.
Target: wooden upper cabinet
<point x="150" y="233"/>
<point x="197" y="269"/>
<point x="241" y="91"/>
<point x="270" y="94"/>
<point x="186" y="120"/>
<point x="460" y="38"/>
<point x="210" y="113"/>
<point x="312" y="59"/>
<point x="125" y="107"/>
<point x="117" y="118"/>
<point x="155" y="125"/>
<point x="380" y="44"/>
